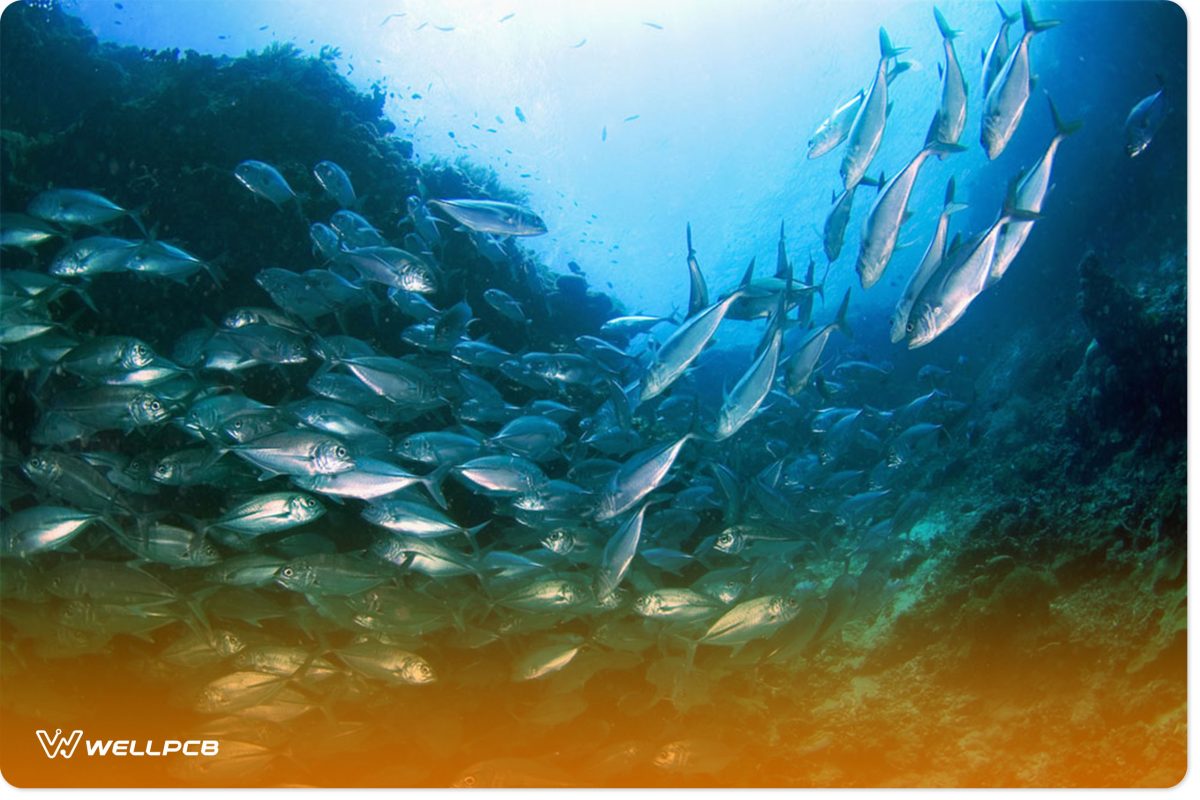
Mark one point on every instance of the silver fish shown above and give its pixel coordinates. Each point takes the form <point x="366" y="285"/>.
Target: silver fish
<point x="997" y="53"/>
<point x="951" y="117"/>
<point x="491" y="216"/>
<point x="881" y="228"/>
<point x="1005" y="101"/>
<point x="74" y="207"/>
<point x="929" y="263"/>
<point x="335" y="182"/>
<point x="867" y="130"/>
<point x="800" y="365"/>
<point x="1031" y="194"/>
<point x="1143" y="122"/>
<point x="265" y="181"/>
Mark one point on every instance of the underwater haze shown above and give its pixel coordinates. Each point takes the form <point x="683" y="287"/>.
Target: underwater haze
<point x="594" y="394"/>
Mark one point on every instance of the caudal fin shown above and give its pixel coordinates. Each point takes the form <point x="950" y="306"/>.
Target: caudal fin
<point x="1007" y="17"/>
<point x="1032" y="25"/>
<point x="1062" y="129"/>
<point x="948" y="33"/>
<point x="886" y="48"/>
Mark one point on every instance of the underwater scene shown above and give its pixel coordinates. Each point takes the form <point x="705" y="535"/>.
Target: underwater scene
<point x="788" y="393"/>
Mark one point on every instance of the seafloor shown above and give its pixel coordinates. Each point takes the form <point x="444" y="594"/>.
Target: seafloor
<point x="1038" y="637"/>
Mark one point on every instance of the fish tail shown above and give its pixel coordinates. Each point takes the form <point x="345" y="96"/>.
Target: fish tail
<point x="1007" y="17"/>
<point x="1062" y="129"/>
<point x="948" y="33"/>
<point x="886" y="48"/>
<point x="691" y="250"/>
<point x="1032" y="25"/>
<point x="949" y="198"/>
<point x="433" y="484"/>
<point x="748" y="276"/>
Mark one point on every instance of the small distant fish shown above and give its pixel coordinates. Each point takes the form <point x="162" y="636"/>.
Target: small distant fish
<point x="390" y="16"/>
<point x="263" y="27"/>
<point x="632" y="118"/>
<point x="582" y="42"/>
<point x="654" y="25"/>
<point x="446" y="28"/>
<point x="604" y="134"/>
<point x="1144" y="120"/>
<point x="520" y="114"/>
<point x="507" y="17"/>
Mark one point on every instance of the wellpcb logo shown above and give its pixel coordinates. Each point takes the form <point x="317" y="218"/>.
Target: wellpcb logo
<point x="57" y="745"/>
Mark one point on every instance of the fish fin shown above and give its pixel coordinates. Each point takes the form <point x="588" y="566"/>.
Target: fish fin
<point x="748" y="276"/>
<point x="840" y="321"/>
<point x="691" y="251"/>
<point x="943" y="149"/>
<point x="833" y="195"/>
<point x="886" y="48"/>
<point x="941" y="70"/>
<point x="949" y="197"/>
<point x="983" y="60"/>
<point x="1032" y="25"/>
<point x="954" y="208"/>
<point x="948" y="33"/>
<point x="899" y="68"/>
<point x="1061" y="128"/>
<point x="1007" y="17"/>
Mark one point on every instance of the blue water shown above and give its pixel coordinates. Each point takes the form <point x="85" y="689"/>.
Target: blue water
<point x="726" y="95"/>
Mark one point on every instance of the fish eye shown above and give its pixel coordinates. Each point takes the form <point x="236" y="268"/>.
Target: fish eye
<point x="341" y="452"/>
<point x="908" y="327"/>
<point x="155" y="405"/>
<point x="287" y="572"/>
<point x="468" y="781"/>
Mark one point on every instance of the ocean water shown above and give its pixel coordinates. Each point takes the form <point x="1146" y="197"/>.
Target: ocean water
<point x="958" y="563"/>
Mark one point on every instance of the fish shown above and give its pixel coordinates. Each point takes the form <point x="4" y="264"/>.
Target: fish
<point x="25" y="232"/>
<point x="743" y="403"/>
<point x="951" y="117"/>
<point x="74" y="208"/>
<point x="698" y="292"/>
<point x="520" y="115"/>
<point x="492" y="216"/>
<point x="1031" y="194"/>
<point x="798" y="368"/>
<point x="1004" y="104"/>
<point x="270" y="513"/>
<point x="618" y="555"/>
<point x="505" y="304"/>
<point x="881" y="228"/>
<point x="998" y="51"/>
<point x="929" y="263"/>
<point x="834" y="232"/>
<point x="866" y="132"/>
<point x="637" y="477"/>
<point x="835" y="128"/>
<point x="1144" y="120"/>
<point x="683" y="347"/>
<point x="336" y="183"/>
<point x="44" y="528"/>
<point x="265" y="181"/>
<point x="297" y="453"/>
<point x="958" y="280"/>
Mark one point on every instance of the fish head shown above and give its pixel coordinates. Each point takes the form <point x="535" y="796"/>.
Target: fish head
<point x="296" y="576"/>
<point x="41" y="469"/>
<point x="332" y="457"/>
<point x="416" y="670"/>
<point x="730" y="541"/>
<point x="419" y="277"/>
<point x="165" y="470"/>
<point x="135" y="355"/>
<point x="227" y="643"/>
<point x="648" y="605"/>
<point x="305" y="508"/>
<point x="922" y="327"/>
<point x="146" y="409"/>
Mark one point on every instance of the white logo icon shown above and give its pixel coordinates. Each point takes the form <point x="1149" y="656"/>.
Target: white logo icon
<point x="59" y="745"/>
